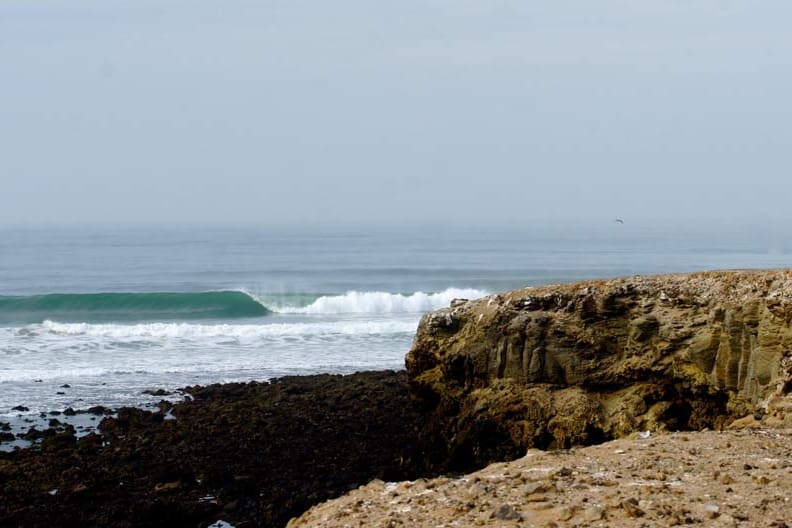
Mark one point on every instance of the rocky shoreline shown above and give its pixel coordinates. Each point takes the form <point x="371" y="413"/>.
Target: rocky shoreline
<point x="252" y="454"/>
<point x="487" y="380"/>
<point x="260" y="454"/>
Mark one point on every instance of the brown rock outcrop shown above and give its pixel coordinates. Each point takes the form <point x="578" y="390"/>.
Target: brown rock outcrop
<point x="560" y="365"/>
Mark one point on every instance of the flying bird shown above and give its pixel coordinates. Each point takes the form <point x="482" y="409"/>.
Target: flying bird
<point x="618" y="221"/>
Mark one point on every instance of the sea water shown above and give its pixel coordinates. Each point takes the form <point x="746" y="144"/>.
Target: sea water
<point x="98" y="316"/>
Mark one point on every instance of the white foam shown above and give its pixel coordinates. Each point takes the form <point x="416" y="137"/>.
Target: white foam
<point x="190" y="330"/>
<point x="382" y="302"/>
<point x="221" y="524"/>
<point x="111" y="364"/>
<point x="45" y="372"/>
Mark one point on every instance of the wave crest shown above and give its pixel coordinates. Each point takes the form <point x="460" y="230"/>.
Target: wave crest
<point x="355" y="302"/>
<point x="237" y="304"/>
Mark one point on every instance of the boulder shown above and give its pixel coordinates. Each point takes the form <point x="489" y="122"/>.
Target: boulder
<point x="561" y="365"/>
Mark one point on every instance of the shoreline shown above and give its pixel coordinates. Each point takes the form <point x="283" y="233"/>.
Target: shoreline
<point x="593" y="363"/>
<point x="250" y="454"/>
<point x="310" y="450"/>
<point x="23" y="431"/>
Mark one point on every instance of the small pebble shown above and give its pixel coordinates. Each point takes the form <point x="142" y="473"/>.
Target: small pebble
<point x="506" y="513"/>
<point x="713" y="510"/>
<point x="630" y="507"/>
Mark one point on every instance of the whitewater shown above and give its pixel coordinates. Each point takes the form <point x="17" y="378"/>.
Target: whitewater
<point x="105" y="317"/>
<point x="115" y="363"/>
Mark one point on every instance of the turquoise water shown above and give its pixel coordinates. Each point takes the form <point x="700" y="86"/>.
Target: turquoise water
<point x="117" y="306"/>
<point x="111" y="313"/>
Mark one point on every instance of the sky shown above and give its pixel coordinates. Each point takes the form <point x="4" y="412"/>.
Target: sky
<point x="460" y="112"/>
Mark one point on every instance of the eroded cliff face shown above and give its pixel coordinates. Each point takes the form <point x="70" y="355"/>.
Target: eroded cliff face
<point x="580" y="363"/>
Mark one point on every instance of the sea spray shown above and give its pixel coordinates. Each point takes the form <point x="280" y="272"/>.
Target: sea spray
<point x="381" y="302"/>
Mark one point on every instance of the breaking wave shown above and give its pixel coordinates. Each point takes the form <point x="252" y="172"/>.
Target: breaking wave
<point x="381" y="302"/>
<point x="218" y="305"/>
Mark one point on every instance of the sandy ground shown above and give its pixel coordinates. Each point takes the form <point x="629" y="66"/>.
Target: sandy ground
<point x="736" y="478"/>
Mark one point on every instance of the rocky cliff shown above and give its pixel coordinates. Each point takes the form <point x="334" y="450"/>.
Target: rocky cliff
<point x="556" y="366"/>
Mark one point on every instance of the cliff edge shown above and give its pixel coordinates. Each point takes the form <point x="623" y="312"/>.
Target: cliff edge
<point x="563" y="365"/>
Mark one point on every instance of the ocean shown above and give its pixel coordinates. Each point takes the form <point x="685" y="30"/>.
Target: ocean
<point x="99" y="316"/>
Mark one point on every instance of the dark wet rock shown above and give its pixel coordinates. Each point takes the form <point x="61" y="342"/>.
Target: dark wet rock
<point x="20" y="408"/>
<point x="97" y="410"/>
<point x="34" y="434"/>
<point x="65" y="386"/>
<point x="69" y="412"/>
<point x="5" y="426"/>
<point x="128" y="421"/>
<point x="62" y="441"/>
<point x="264" y="452"/>
<point x="7" y="437"/>
<point x="157" y="392"/>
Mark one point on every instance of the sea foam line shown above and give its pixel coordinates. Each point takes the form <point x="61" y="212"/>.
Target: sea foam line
<point x="202" y="331"/>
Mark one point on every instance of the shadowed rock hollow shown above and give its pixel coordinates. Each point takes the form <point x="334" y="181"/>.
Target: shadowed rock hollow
<point x="560" y="365"/>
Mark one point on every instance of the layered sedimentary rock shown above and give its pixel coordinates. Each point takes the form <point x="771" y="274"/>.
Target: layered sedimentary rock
<point x="555" y="366"/>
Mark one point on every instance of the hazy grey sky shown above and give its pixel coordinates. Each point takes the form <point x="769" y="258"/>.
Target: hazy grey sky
<point x="458" y="111"/>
